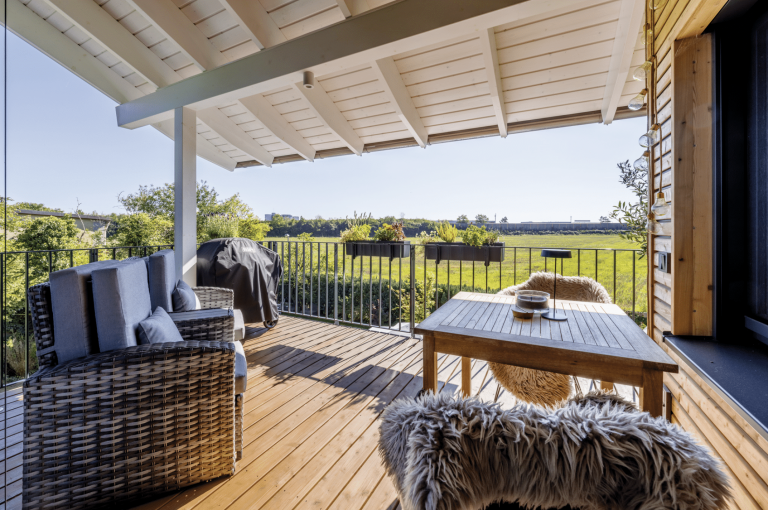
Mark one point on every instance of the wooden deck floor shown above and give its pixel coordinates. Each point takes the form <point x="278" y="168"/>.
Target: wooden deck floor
<point x="315" y="393"/>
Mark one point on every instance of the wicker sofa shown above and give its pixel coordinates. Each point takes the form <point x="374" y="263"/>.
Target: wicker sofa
<point x="130" y="422"/>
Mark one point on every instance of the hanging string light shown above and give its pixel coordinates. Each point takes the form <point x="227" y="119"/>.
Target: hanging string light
<point x="648" y="35"/>
<point x="650" y="138"/>
<point x="643" y="72"/>
<point x="660" y="207"/>
<point x="641" y="164"/>
<point x="637" y="102"/>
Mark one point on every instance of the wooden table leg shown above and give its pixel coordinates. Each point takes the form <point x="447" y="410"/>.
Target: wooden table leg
<point x="605" y="385"/>
<point x="430" y="364"/>
<point x="466" y="376"/>
<point x="652" y="392"/>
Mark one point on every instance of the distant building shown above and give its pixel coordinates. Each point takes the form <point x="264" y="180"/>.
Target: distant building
<point x="82" y="221"/>
<point x="268" y="216"/>
<point x="581" y="221"/>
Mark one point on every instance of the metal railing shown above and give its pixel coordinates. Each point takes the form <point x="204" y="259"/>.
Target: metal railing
<point x="21" y="269"/>
<point x="322" y="280"/>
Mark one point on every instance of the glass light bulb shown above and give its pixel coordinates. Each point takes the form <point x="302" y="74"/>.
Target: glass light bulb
<point x="641" y="163"/>
<point x="657" y="4"/>
<point x="637" y="102"/>
<point x="648" y="40"/>
<point x="660" y="208"/>
<point x="642" y="72"/>
<point x="650" y="138"/>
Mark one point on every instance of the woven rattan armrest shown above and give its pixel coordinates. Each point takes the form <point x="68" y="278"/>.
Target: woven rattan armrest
<point x="128" y="423"/>
<point x="215" y="297"/>
<point x="215" y="324"/>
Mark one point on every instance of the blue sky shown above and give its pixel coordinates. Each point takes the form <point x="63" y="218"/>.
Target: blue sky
<point x="64" y="145"/>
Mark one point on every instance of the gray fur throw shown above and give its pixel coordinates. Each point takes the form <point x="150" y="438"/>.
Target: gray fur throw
<point x="594" y="453"/>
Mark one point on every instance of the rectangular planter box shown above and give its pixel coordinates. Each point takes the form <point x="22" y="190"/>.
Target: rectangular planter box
<point x="460" y="251"/>
<point x="390" y="250"/>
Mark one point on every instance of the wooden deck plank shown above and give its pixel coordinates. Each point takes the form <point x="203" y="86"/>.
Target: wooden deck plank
<point x="332" y="410"/>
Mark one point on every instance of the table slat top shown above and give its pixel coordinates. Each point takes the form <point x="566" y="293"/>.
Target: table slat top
<point x="595" y="327"/>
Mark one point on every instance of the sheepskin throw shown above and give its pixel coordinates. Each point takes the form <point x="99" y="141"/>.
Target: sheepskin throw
<point x="573" y="288"/>
<point x="596" y="453"/>
<point x="536" y="386"/>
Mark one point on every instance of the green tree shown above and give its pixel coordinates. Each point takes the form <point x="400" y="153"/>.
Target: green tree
<point x="48" y="233"/>
<point x="504" y="219"/>
<point x="160" y="201"/>
<point x="252" y="228"/>
<point x="634" y="215"/>
<point x="141" y="229"/>
<point x="463" y="219"/>
<point x="481" y="219"/>
<point x="278" y="221"/>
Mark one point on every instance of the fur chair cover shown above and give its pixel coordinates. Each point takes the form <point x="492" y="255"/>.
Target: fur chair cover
<point x="596" y="453"/>
<point x="536" y="386"/>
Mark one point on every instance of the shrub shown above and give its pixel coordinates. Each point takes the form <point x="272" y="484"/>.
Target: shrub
<point x="447" y="232"/>
<point x="475" y="236"/>
<point x="219" y="226"/>
<point x="356" y="233"/>
<point x="424" y="238"/>
<point x="141" y="229"/>
<point x="390" y="233"/>
<point x="252" y="228"/>
<point x="16" y="356"/>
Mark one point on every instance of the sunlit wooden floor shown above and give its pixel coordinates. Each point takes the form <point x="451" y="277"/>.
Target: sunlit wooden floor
<point x="315" y="394"/>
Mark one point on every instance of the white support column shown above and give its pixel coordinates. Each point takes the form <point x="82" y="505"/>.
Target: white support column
<point x="185" y="205"/>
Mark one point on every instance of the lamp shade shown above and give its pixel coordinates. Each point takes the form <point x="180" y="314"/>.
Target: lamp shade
<point x="556" y="254"/>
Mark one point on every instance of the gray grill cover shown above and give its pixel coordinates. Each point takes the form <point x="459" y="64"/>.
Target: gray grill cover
<point x="248" y="268"/>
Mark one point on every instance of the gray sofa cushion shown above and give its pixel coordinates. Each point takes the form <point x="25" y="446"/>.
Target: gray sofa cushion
<point x="239" y="325"/>
<point x="121" y="301"/>
<point x="184" y="298"/>
<point x="162" y="279"/>
<point x="74" y="322"/>
<point x="158" y="328"/>
<point x="241" y="369"/>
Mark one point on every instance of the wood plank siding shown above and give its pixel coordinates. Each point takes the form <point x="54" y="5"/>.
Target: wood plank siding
<point x="680" y="102"/>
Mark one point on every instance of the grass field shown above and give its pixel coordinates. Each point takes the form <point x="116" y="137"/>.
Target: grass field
<point x="606" y="258"/>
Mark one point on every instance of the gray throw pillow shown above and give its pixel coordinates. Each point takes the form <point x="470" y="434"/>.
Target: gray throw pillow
<point x="158" y="328"/>
<point x="184" y="298"/>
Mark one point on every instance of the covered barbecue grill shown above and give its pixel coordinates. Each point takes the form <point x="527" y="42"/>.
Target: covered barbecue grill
<point x="249" y="269"/>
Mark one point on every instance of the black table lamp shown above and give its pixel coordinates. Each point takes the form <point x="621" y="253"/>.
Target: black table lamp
<point x="553" y="313"/>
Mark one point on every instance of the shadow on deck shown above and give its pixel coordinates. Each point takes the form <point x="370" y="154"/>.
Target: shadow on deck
<point x="315" y="393"/>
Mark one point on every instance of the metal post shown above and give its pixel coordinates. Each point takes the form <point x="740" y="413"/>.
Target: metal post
<point x="335" y="284"/>
<point x="413" y="291"/>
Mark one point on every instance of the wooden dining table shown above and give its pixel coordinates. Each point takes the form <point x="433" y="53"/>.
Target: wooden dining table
<point x="597" y="341"/>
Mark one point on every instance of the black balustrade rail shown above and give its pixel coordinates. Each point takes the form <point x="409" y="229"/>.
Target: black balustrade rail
<point x="323" y="280"/>
<point x="21" y="269"/>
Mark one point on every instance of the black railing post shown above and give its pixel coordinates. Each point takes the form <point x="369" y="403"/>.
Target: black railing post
<point x="336" y="283"/>
<point x="26" y="314"/>
<point x="413" y="291"/>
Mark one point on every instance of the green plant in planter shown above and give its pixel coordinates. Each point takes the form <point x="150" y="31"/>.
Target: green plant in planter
<point x="447" y="232"/>
<point x="356" y="233"/>
<point x="390" y="233"/>
<point x="477" y="237"/>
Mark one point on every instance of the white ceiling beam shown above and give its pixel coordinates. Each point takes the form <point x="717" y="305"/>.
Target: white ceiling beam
<point x="356" y="41"/>
<point x="176" y="27"/>
<point x="344" y="8"/>
<point x="491" y="60"/>
<point x="256" y="21"/>
<point x="630" y="21"/>
<point x="326" y="110"/>
<point x="274" y="122"/>
<point x="205" y="149"/>
<point x="400" y="98"/>
<point x="232" y="133"/>
<point x="46" y="38"/>
<point x="104" y="29"/>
